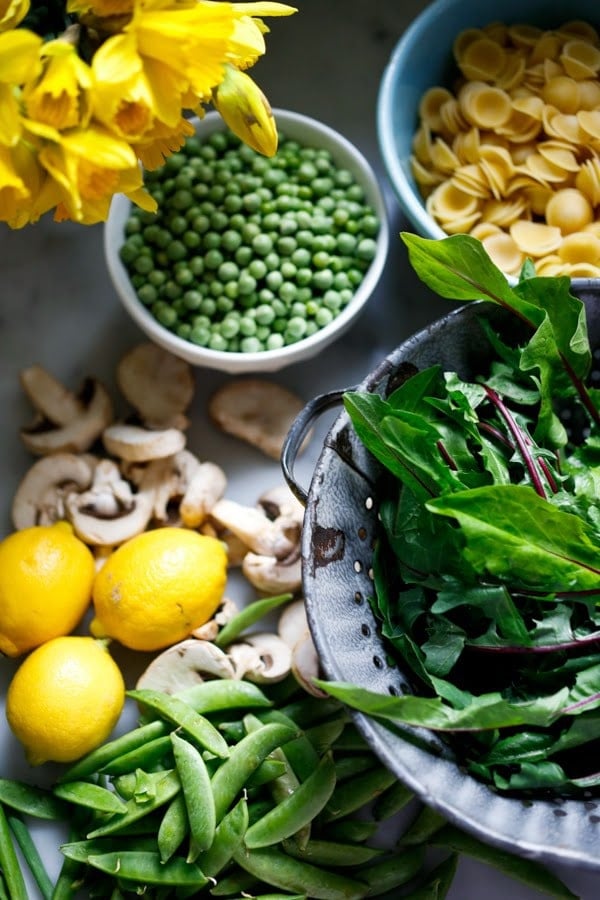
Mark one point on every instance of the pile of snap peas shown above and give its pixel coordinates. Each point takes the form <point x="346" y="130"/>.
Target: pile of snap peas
<point x="229" y="790"/>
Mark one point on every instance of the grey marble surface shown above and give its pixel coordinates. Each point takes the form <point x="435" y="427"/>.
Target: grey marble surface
<point x="58" y="308"/>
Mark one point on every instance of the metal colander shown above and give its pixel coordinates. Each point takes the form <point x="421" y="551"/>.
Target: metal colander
<point x="340" y="529"/>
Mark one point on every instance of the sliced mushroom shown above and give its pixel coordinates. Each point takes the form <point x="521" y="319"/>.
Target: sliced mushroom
<point x="257" y="411"/>
<point x="305" y="666"/>
<point x="184" y="665"/>
<point x="135" y="443"/>
<point x="261" y="657"/>
<point x="53" y="401"/>
<point x="274" y="576"/>
<point x="109" y="512"/>
<point x="292" y="625"/>
<point x="206" y="485"/>
<point x="236" y="548"/>
<point x="157" y="384"/>
<point x="40" y="497"/>
<point x="209" y="631"/>
<point x="262" y="535"/>
<point x="280" y="501"/>
<point x="45" y="436"/>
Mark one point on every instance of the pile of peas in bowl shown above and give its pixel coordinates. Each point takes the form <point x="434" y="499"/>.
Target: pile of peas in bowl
<point x="248" y="254"/>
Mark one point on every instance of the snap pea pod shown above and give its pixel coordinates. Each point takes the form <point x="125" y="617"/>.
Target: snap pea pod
<point x="9" y="862"/>
<point x="266" y="772"/>
<point x="349" y="829"/>
<point x="350" y="796"/>
<point x="248" y="616"/>
<point x="300" y="753"/>
<point x="93" y="796"/>
<point x="229" y="835"/>
<point x="197" y="794"/>
<point x="166" y="788"/>
<point x="272" y="897"/>
<point x="173" y="829"/>
<point x="274" y="867"/>
<point x="145" y="867"/>
<point x="354" y="764"/>
<point x="31" y="800"/>
<point x="326" y="734"/>
<point x="307" y="710"/>
<point x="392" y="801"/>
<point x="423" y="827"/>
<point x="351" y="740"/>
<point x="438" y="881"/>
<point x="221" y="694"/>
<point x="31" y="855"/>
<point x="145" y="757"/>
<point x="232" y="775"/>
<point x="179" y="713"/>
<point x="139" y="785"/>
<point x="333" y="853"/>
<point x="80" y="851"/>
<point x="288" y="782"/>
<point x="237" y="880"/>
<point x="101" y="756"/>
<point x="393" y="872"/>
<point x="297" y="810"/>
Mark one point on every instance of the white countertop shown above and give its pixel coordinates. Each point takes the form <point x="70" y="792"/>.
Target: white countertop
<point x="58" y="308"/>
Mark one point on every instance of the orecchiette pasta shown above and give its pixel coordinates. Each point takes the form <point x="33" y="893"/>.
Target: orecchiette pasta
<point x="510" y="153"/>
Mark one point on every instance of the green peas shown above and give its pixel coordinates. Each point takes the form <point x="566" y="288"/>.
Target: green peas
<point x="235" y="230"/>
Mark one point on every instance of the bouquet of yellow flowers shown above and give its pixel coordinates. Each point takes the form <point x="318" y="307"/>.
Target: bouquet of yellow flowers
<point x="91" y="91"/>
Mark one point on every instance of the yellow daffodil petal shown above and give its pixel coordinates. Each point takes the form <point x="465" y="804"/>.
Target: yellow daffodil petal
<point x="13" y="189"/>
<point x="10" y="119"/>
<point x="246" y="111"/>
<point x="59" y="97"/>
<point x="19" y="56"/>
<point x="12" y="12"/>
<point x="161" y="142"/>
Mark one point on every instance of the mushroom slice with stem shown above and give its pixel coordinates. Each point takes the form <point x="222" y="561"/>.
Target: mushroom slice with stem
<point x="44" y="436"/>
<point x="184" y="665"/>
<point x="206" y="485"/>
<point x="261" y="657"/>
<point x="109" y="513"/>
<point x="294" y="630"/>
<point x="271" y="575"/>
<point x="276" y="537"/>
<point x="257" y="411"/>
<point x="40" y="497"/>
<point x="157" y="384"/>
<point x="53" y="401"/>
<point x="135" y="443"/>
<point x="209" y="631"/>
<point x="280" y="501"/>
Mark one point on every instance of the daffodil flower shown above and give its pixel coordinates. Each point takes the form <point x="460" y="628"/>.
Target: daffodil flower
<point x="246" y="111"/>
<point x="12" y="13"/>
<point x="60" y="95"/>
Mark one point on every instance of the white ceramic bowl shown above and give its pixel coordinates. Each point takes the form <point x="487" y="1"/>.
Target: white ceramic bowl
<point x="423" y="58"/>
<point x="307" y="132"/>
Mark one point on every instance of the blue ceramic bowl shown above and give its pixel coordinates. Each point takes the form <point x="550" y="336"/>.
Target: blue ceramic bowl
<point x="423" y="58"/>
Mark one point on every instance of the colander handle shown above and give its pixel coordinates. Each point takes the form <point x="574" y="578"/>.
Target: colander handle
<point x="298" y="432"/>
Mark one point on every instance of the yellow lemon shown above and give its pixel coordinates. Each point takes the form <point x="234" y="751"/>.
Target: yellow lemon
<point x="157" y="587"/>
<point x="46" y="577"/>
<point x="64" y="699"/>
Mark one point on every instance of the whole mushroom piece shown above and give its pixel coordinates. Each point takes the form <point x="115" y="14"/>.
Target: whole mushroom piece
<point x="69" y="427"/>
<point x="40" y="498"/>
<point x="158" y="385"/>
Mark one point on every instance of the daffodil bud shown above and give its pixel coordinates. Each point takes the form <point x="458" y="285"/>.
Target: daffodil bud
<point x="246" y="111"/>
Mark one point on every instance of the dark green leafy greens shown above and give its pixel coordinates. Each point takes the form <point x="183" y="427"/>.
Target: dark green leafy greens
<point x="487" y="572"/>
